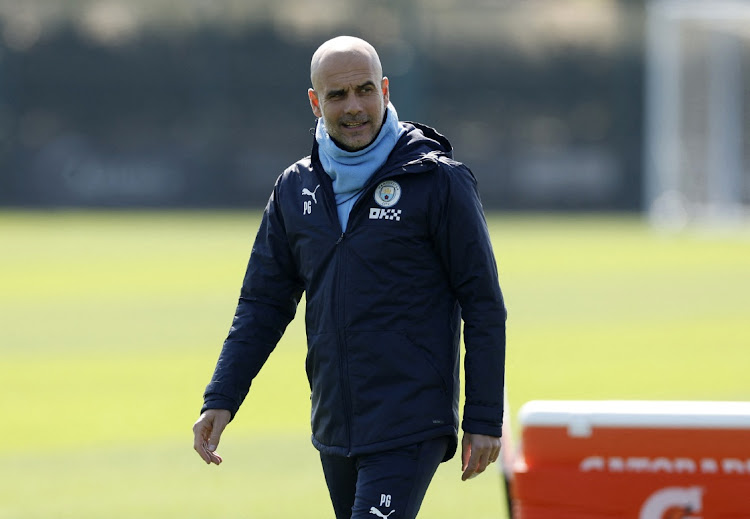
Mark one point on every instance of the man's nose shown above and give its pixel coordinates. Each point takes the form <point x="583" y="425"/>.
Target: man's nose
<point x="353" y="104"/>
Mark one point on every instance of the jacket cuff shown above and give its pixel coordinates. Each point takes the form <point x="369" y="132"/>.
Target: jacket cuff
<point x="483" y="420"/>
<point x="220" y="403"/>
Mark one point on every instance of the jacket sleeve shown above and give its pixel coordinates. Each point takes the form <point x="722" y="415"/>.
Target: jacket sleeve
<point x="268" y="301"/>
<point x="463" y="242"/>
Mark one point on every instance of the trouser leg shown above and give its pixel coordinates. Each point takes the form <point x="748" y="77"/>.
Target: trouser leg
<point x="390" y="484"/>
<point x="341" y="477"/>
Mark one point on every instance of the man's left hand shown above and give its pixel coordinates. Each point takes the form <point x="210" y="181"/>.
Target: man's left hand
<point x="477" y="452"/>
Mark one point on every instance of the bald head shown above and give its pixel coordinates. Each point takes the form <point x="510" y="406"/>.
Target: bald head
<point x="343" y="48"/>
<point x="349" y="91"/>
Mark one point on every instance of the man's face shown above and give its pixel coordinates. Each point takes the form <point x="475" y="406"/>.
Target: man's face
<point x="350" y="97"/>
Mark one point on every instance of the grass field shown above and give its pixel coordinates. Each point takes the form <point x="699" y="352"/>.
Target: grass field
<point x="110" y="324"/>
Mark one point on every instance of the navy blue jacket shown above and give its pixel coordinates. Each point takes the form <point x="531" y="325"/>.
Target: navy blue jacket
<point x="385" y="300"/>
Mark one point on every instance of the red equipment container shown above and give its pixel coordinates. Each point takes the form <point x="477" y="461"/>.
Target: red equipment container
<point x="632" y="460"/>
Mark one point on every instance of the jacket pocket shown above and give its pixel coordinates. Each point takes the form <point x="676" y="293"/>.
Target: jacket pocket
<point x="323" y="367"/>
<point x="396" y="387"/>
<point x="432" y="361"/>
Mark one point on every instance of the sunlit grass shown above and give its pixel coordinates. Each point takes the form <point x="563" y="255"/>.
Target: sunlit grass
<point x="110" y="324"/>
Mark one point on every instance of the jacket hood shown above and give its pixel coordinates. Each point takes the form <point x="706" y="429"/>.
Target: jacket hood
<point x="421" y="139"/>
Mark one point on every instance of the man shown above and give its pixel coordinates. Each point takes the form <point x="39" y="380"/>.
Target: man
<point x="385" y="235"/>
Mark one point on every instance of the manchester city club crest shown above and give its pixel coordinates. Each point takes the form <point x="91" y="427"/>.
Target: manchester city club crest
<point x="387" y="193"/>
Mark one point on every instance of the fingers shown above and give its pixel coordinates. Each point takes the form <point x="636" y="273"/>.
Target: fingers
<point x="219" y="424"/>
<point x="495" y="453"/>
<point x="481" y="451"/>
<point x="477" y="464"/>
<point x="465" y="450"/>
<point x="201" y="429"/>
<point x="212" y="456"/>
<point x="207" y="433"/>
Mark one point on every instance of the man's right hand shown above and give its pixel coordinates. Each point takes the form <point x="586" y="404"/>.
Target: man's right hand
<point x="207" y="433"/>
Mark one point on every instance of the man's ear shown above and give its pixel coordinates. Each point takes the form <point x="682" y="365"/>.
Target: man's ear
<point x="386" y="90"/>
<point x="314" y="102"/>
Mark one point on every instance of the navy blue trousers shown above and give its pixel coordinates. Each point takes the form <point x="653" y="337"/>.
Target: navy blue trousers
<point x="389" y="484"/>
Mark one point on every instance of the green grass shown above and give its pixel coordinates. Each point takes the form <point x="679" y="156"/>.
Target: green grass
<point x="110" y="323"/>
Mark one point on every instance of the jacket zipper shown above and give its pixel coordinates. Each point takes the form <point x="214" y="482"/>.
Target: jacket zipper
<point x="341" y="290"/>
<point x="340" y="317"/>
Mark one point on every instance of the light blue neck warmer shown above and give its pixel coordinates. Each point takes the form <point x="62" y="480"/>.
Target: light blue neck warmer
<point x="350" y="170"/>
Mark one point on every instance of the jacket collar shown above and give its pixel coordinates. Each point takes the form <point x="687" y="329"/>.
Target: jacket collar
<point x="418" y="150"/>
